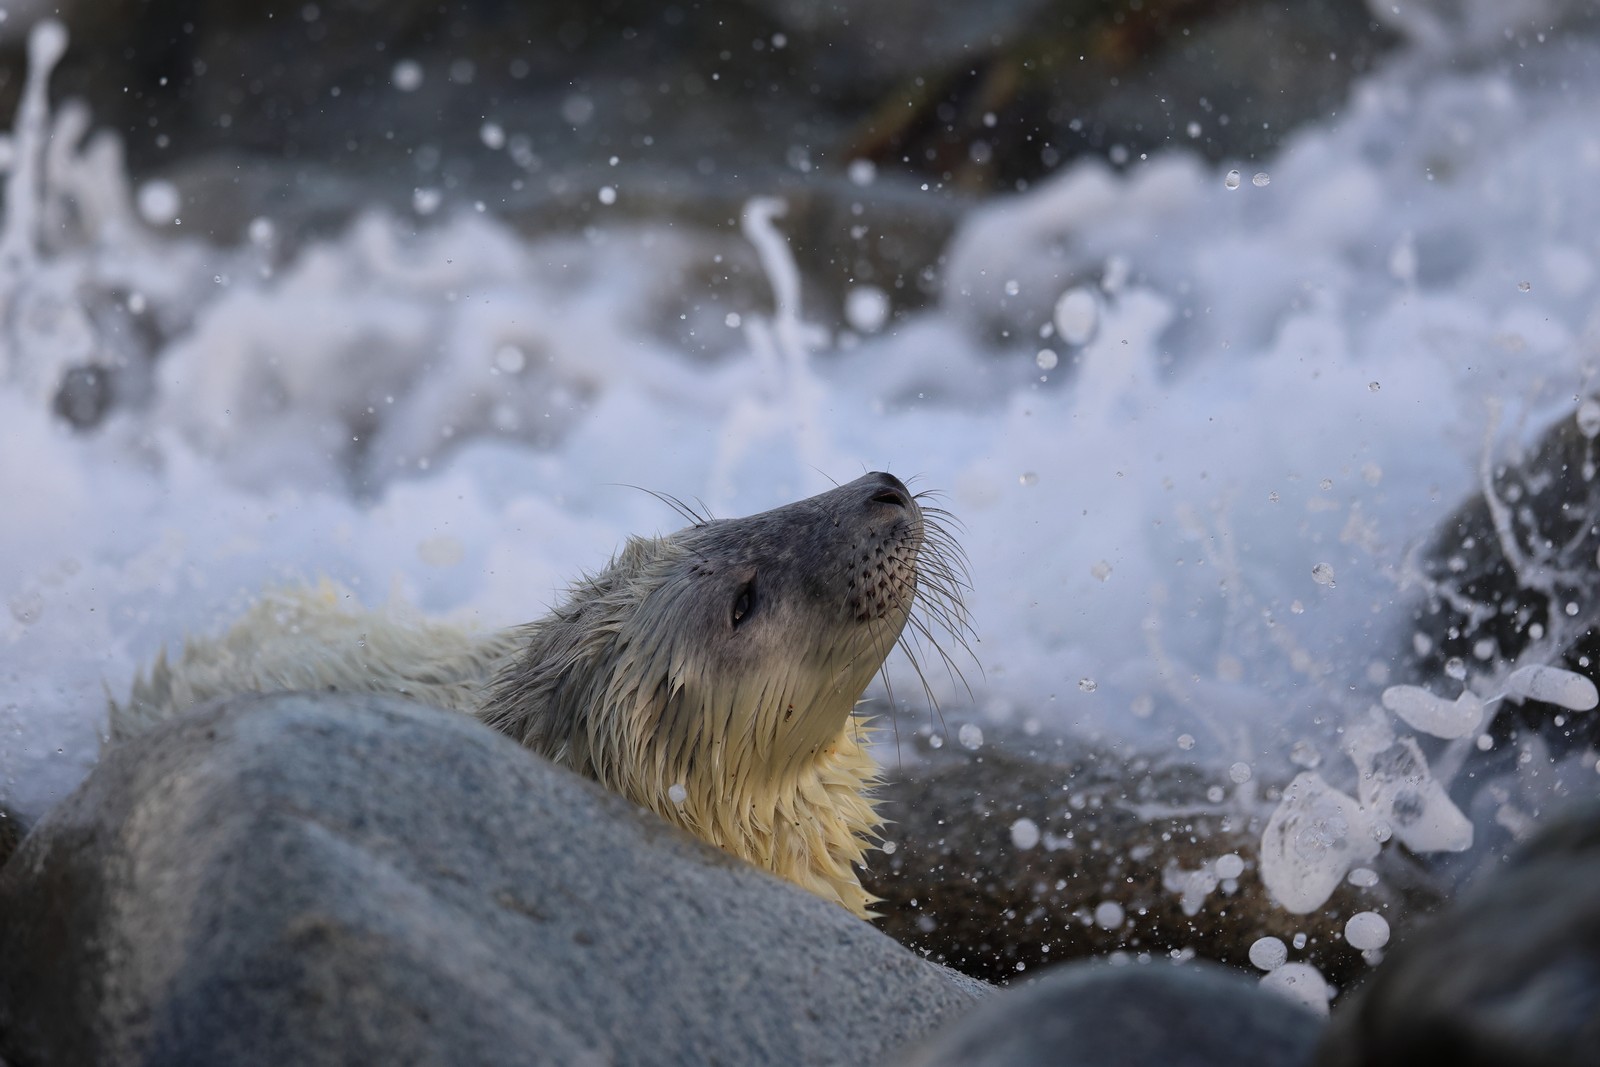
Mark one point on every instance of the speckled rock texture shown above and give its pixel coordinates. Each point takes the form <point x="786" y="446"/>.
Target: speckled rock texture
<point x="331" y="880"/>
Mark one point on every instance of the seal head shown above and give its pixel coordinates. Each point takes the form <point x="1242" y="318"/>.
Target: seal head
<point x="710" y="675"/>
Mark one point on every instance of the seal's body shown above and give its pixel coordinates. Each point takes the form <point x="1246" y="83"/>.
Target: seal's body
<point x="709" y="675"/>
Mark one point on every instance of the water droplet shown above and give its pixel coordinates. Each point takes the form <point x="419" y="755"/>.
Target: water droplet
<point x="677" y="793"/>
<point x="407" y="75"/>
<point x="1304" y="754"/>
<point x="1589" y="418"/>
<point x="1193" y="129"/>
<point x="1261" y="179"/>
<point x="1455" y="668"/>
<point x="1299" y="941"/>
<point x="493" y="135"/>
<point x="1269" y="953"/>
<point x="1367" y="930"/>
<point x="970" y="735"/>
<point x="1012" y="288"/>
<point x="1028" y="478"/>
<point x="159" y="202"/>
<point x="1046" y="359"/>
<point x="866" y="308"/>
<point x="509" y="359"/>
<point x="607" y="195"/>
<point x="1024" y="833"/>
<point x="888" y="847"/>
<point x="261" y="231"/>
<point x="1374" y="386"/>
<point x="1524" y="287"/>
<point x="1108" y="915"/>
<point x="1364" y="877"/>
<point x="1186" y="741"/>
<point x="1087" y="685"/>
<point x="936" y="741"/>
<point x="1077" y="314"/>
<point x="1322" y="574"/>
<point x="426" y="201"/>
<point x="1101" y="570"/>
<point x="1240" y="772"/>
<point x="1230" y="866"/>
<point x="1231" y="181"/>
<point x="862" y="171"/>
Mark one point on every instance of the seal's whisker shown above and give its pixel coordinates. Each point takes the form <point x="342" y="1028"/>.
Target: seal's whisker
<point x="698" y="517"/>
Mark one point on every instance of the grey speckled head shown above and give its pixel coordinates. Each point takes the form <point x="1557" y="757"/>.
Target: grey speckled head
<point x="732" y="647"/>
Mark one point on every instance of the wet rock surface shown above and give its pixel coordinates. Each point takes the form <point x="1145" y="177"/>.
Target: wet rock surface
<point x="1099" y="1015"/>
<point x="1509" y="974"/>
<point x="321" y="879"/>
<point x="1030" y="853"/>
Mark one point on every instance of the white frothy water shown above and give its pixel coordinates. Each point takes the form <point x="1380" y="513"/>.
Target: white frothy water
<point x="445" y="414"/>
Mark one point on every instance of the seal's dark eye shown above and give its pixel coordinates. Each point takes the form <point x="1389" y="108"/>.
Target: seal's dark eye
<point x="745" y="602"/>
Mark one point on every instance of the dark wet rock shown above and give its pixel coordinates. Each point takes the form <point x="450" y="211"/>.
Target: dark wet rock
<point x="1512" y="571"/>
<point x="1508" y="975"/>
<point x="324" y="879"/>
<point x="10" y="835"/>
<point x="1136" y="1015"/>
<point x="1119" y="854"/>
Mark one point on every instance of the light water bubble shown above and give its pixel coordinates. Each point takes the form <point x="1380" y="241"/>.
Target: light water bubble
<point x="607" y="195"/>
<point x="1269" y="953"/>
<point x="1363" y="877"/>
<point x="1028" y="479"/>
<point x="493" y="135"/>
<point x="1046" y="359"/>
<point x="1186" y="741"/>
<point x="1322" y="574"/>
<point x="1304" y="754"/>
<point x="1109" y="915"/>
<point x="1101" y="570"/>
<point x="1231" y="180"/>
<point x="261" y="231"/>
<point x="970" y="735"/>
<point x="862" y="171"/>
<point x="1261" y="179"/>
<point x="1367" y="930"/>
<point x="1193" y="129"/>
<point x="1589" y="418"/>
<point x="1239" y="772"/>
<point x="1524" y="287"/>
<point x="425" y="201"/>
<point x="1087" y="685"/>
<point x="509" y="359"/>
<point x="406" y="75"/>
<point x="1024" y="833"/>
<point x="159" y="202"/>
<point x="866" y="308"/>
<point x="677" y="793"/>
<point x="1456" y="668"/>
<point x="1077" y="315"/>
<point x="1230" y="866"/>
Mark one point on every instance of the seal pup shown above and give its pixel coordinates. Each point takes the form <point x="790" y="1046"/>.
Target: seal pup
<point x="709" y="675"/>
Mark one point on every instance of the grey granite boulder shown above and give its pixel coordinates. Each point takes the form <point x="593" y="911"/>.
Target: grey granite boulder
<point x="1510" y="975"/>
<point x="1092" y="1014"/>
<point x="331" y="879"/>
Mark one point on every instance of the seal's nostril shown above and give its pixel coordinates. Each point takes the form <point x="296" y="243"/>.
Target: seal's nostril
<point x="891" y="490"/>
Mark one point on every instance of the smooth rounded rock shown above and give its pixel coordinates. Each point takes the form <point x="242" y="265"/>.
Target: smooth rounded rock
<point x="357" y="879"/>
<point x="1097" y="1014"/>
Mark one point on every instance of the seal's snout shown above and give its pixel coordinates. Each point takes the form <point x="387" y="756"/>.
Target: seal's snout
<point x="887" y="489"/>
